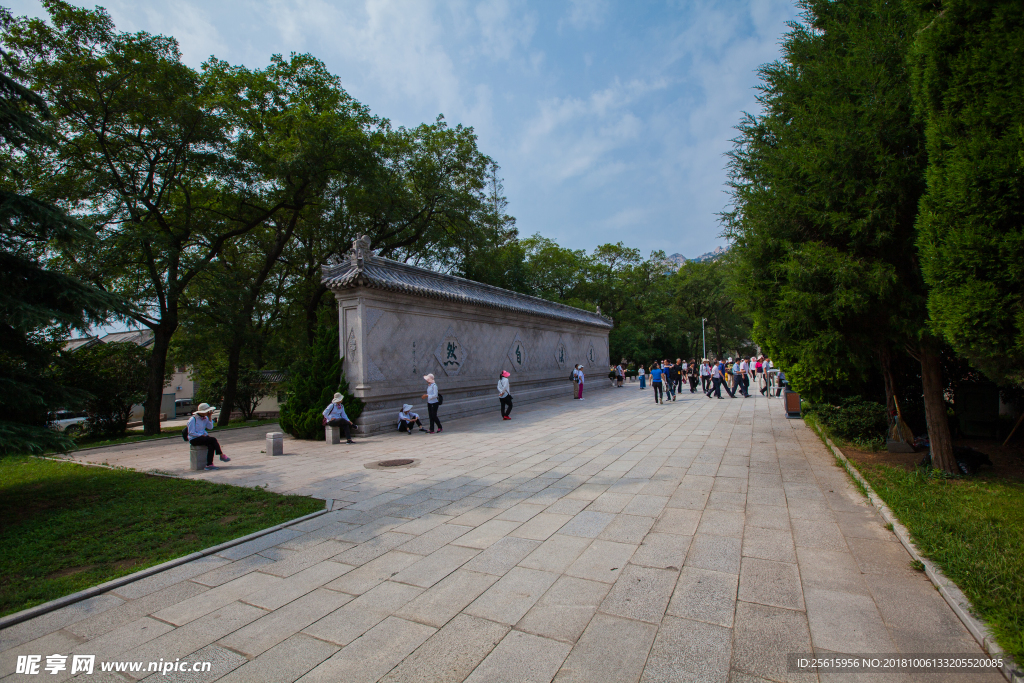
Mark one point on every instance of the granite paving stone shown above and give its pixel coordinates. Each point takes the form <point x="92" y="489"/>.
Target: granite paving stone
<point x="641" y="593"/>
<point x="705" y="595"/>
<point x="450" y="654"/>
<point x="612" y="540"/>
<point x="442" y="601"/>
<point x="286" y="661"/>
<point x="687" y="650"/>
<point x="565" y="609"/>
<point x="602" y="561"/>
<point x="521" y="657"/>
<point x="611" y="649"/>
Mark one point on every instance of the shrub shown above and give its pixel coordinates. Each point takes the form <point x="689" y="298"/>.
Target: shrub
<point x="313" y="379"/>
<point x="856" y="420"/>
<point x="114" y="376"/>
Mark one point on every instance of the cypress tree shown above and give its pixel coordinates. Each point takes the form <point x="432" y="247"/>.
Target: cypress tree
<point x="968" y="74"/>
<point x="313" y="380"/>
<point x="826" y="183"/>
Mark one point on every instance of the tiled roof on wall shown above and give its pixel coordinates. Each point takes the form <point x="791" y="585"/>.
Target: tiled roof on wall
<point x="381" y="273"/>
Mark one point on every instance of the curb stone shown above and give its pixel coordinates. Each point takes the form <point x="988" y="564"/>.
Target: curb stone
<point x="949" y="591"/>
<point x="38" y="610"/>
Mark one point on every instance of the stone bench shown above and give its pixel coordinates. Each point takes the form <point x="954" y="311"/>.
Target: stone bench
<point x="275" y="443"/>
<point x="332" y="434"/>
<point x="197" y="456"/>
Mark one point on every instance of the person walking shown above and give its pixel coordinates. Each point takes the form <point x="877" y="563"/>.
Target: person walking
<point x="705" y="375"/>
<point x="668" y="374"/>
<point x="723" y="373"/>
<point x="434" y="399"/>
<point x="716" y="381"/>
<point x="743" y="375"/>
<point x="580" y="378"/>
<point x="656" y="382"/>
<point x="335" y="416"/>
<point x="408" y="419"/>
<point x="504" y="395"/>
<point x="642" y="374"/>
<point x="680" y="372"/>
<point x="198" y="425"/>
<point x="619" y="375"/>
<point x="693" y="375"/>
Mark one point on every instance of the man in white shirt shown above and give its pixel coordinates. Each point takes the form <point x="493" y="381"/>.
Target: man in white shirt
<point x="744" y="377"/>
<point x="335" y="416"/>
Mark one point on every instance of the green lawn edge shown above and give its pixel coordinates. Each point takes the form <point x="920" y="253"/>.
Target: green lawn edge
<point x="66" y="527"/>
<point x="972" y="528"/>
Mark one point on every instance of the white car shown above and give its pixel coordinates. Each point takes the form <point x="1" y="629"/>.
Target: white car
<point x="67" y="422"/>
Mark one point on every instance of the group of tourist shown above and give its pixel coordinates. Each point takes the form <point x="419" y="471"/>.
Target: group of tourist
<point x="735" y="376"/>
<point x="666" y="380"/>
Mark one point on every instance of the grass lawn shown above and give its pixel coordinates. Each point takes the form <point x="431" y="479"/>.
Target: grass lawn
<point x="65" y="527"/>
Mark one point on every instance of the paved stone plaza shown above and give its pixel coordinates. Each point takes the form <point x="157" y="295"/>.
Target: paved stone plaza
<point x="608" y="540"/>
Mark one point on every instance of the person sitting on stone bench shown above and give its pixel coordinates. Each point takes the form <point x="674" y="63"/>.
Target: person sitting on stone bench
<point x="407" y="418"/>
<point x="335" y="416"/>
<point x="197" y="436"/>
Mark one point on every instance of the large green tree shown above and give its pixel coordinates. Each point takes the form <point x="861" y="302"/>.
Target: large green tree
<point x="968" y="67"/>
<point x="155" y="158"/>
<point x="826" y="182"/>
<point x="37" y="304"/>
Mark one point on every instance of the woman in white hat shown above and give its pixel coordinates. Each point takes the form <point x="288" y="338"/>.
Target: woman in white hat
<point x="433" y="401"/>
<point x="198" y="425"/>
<point x="335" y="416"/>
<point x="407" y="418"/>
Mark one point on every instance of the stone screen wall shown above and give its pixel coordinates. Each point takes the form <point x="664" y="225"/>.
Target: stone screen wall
<point x="390" y="340"/>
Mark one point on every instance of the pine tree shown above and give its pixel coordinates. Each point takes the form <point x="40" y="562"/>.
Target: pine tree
<point x="314" y="379"/>
<point x="36" y="304"/>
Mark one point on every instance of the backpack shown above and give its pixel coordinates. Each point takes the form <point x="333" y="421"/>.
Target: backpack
<point x="440" y="398"/>
<point x="184" y="431"/>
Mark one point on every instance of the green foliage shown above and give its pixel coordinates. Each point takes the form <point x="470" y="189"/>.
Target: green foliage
<point x="862" y="422"/>
<point x="825" y="183"/>
<point x="114" y="377"/>
<point x="65" y="527"/>
<point x="968" y="68"/>
<point x="38" y="305"/>
<point x="313" y="380"/>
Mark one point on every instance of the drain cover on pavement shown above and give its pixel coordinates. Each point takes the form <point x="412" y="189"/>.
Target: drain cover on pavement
<point x="395" y="463"/>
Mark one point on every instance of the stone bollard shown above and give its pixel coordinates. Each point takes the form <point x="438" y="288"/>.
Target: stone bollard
<point x="332" y="433"/>
<point x="197" y="457"/>
<point x="275" y="443"/>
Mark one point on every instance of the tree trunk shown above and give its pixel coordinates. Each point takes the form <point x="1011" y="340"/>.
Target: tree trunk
<point x="935" y="412"/>
<point x="885" y="364"/>
<point x="231" y="381"/>
<point x="311" y="308"/>
<point x="157" y="366"/>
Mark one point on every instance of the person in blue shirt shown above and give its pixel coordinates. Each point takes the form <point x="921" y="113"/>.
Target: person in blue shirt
<point x="335" y="416"/>
<point x="656" y="373"/>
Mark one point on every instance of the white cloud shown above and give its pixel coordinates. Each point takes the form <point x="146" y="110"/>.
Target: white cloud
<point x="587" y="13"/>
<point x="613" y="130"/>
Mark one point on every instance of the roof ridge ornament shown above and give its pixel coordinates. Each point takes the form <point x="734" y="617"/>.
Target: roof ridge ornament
<point x="360" y="250"/>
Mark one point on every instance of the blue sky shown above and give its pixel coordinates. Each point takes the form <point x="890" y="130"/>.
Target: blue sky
<point x="610" y="120"/>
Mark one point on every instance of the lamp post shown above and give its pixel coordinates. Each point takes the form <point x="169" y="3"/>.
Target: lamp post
<point x="703" y="338"/>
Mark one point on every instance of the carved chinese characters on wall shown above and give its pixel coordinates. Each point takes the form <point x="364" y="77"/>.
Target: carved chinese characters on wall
<point x="517" y="354"/>
<point x="450" y="353"/>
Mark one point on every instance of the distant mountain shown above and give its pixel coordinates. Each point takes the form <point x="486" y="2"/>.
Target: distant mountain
<point x="678" y="259"/>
